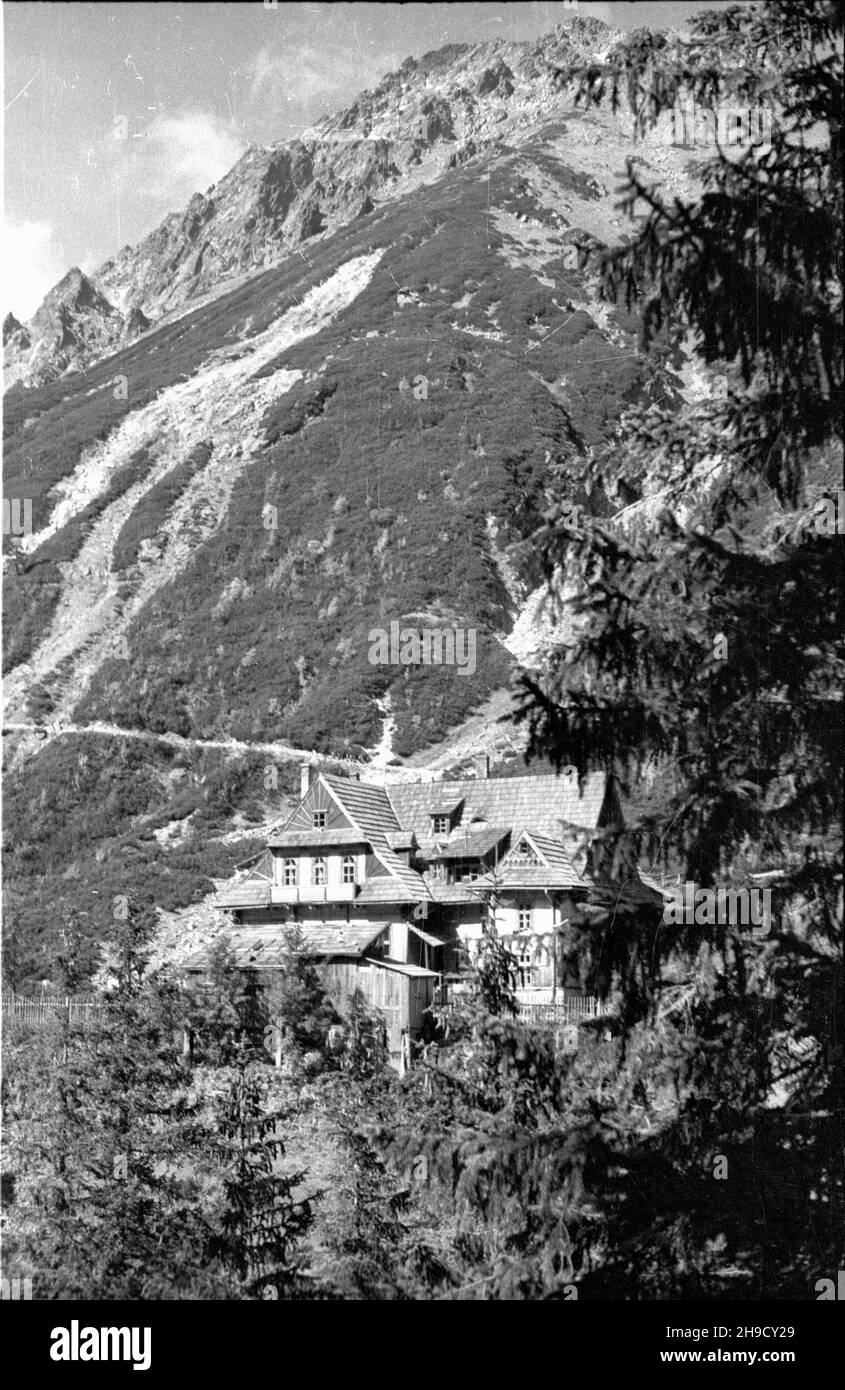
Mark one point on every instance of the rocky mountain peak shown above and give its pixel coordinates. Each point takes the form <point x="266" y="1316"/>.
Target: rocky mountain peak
<point x="14" y="331"/>
<point x="429" y="115"/>
<point x="73" y="289"/>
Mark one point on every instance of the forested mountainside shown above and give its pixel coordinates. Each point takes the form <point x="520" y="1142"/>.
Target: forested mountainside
<point x="224" y="507"/>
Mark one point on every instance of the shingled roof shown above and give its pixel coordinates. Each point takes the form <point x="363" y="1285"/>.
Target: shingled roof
<point x="264" y="948"/>
<point x="441" y="892"/>
<point x="468" y="844"/>
<point x="539" y="802"/>
<point x="249" y="892"/>
<point x="367" y="806"/>
<point x="315" y="839"/>
<point x="386" y="817"/>
<point x="555" y="869"/>
<point x="404" y="884"/>
<point x="370" y="810"/>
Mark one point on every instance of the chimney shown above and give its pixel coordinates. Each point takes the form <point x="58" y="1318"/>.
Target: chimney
<point x="306" y="777"/>
<point x="482" y="766"/>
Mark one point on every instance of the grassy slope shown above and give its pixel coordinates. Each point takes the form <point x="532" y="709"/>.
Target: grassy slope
<point x="381" y="497"/>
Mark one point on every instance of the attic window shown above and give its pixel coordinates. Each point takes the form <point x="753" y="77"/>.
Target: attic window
<point x="440" y="825"/>
<point x="524" y="854"/>
<point x="319" y="819"/>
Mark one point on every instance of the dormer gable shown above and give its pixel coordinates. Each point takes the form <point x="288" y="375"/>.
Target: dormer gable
<point x="444" y="815"/>
<point x="524" y="853"/>
<point x="538" y="860"/>
<point x="319" y="810"/>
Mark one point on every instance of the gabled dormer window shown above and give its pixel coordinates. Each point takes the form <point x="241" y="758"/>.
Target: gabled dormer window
<point x="440" y="825"/>
<point x="318" y="819"/>
<point x="524" y="854"/>
<point x="289" y="873"/>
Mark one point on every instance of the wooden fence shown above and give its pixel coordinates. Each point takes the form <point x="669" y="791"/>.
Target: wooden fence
<point x="43" y="1008"/>
<point x="575" y="1008"/>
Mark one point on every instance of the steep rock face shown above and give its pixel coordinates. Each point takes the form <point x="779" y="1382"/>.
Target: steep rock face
<point x="74" y="323"/>
<point x="496" y="80"/>
<point x="429" y="115"/>
<point x="14" y="333"/>
<point x="135" y="323"/>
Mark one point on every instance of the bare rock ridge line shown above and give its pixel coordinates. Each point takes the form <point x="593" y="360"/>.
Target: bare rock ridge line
<point x="428" y="116"/>
<point x="221" y="404"/>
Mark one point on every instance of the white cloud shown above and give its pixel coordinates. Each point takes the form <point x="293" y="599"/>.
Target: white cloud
<point x="182" y="154"/>
<point x="32" y="263"/>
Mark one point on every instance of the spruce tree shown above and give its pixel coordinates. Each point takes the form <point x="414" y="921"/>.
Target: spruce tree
<point x="708" y="646"/>
<point x="101" y="1130"/>
<point x="261" y="1223"/>
<point x="298" y="1005"/>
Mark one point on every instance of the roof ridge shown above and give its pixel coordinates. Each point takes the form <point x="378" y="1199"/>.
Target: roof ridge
<point x="481" y="781"/>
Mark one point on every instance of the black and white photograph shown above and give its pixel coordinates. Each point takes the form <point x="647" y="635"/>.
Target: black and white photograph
<point x="423" y="670"/>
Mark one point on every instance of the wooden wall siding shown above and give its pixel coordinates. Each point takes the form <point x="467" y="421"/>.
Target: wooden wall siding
<point x="399" y="999"/>
<point x="374" y="868"/>
<point x="340" y="979"/>
<point x="421" y="994"/>
<point x="380" y="989"/>
<point x="318" y="799"/>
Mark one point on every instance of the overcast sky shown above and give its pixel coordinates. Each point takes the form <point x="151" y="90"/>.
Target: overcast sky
<point x="196" y="83"/>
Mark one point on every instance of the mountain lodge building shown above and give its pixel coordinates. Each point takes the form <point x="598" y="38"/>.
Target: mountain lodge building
<point x="391" y="886"/>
